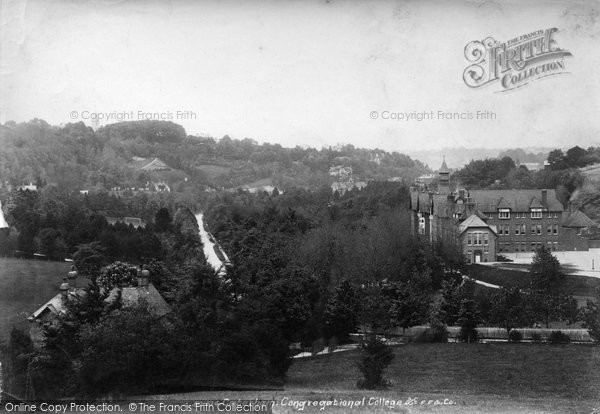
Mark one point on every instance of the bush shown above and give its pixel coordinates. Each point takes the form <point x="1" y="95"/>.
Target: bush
<point x="536" y="337"/>
<point x="468" y="335"/>
<point x="515" y="336"/>
<point x="375" y="357"/>
<point x="436" y="333"/>
<point x="559" y="337"/>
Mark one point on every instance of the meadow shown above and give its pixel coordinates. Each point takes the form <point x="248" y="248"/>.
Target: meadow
<point x="25" y="285"/>
<point x="462" y="378"/>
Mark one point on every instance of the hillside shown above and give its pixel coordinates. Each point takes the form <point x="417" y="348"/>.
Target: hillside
<point x="76" y="157"/>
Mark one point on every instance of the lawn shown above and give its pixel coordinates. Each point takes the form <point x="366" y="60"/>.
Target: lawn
<point x="475" y="378"/>
<point x="25" y="285"/>
<point x="584" y="286"/>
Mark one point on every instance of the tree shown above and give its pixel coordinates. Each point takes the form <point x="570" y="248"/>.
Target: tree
<point x="509" y="309"/>
<point x="556" y="159"/>
<point x="117" y="275"/>
<point x="341" y="311"/>
<point x="375" y="356"/>
<point x="591" y="317"/>
<point x="544" y="307"/>
<point x="468" y="318"/>
<point x="454" y="291"/>
<point x="546" y="274"/>
<point x="89" y="259"/>
<point x="163" y="220"/>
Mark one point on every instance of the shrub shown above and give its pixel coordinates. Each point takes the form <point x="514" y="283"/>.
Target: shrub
<point x="439" y="331"/>
<point x="468" y="335"/>
<point x="515" y="336"/>
<point x="559" y="337"/>
<point x="117" y="274"/>
<point x="536" y="337"/>
<point x="375" y="357"/>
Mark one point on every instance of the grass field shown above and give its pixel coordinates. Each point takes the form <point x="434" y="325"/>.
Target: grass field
<point x="574" y="285"/>
<point x="24" y="286"/>
<point x="490" y="378"/>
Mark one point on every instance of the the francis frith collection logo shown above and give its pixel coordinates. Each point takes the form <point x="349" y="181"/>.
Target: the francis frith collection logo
<point x="514" y="63"/>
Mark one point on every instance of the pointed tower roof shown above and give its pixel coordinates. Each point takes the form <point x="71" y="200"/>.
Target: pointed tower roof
<point x="444" y="167"/>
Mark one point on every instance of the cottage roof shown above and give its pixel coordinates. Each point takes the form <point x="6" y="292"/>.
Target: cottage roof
<point x="130" y="296"/>
<point x="518" y="200"/>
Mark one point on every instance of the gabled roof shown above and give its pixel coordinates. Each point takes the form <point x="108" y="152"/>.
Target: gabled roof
<point x="535" y="203"/>
<point x="519" y="200"/>
<point x="503" y="203"/>
<point x="474" y="221"/>
<point x="56" y="305"/>
<point x="577" y="219"/>
<point x="130" y="296"/>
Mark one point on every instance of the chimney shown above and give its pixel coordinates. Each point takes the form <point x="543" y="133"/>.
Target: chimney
<point x="545" y="198"/>
<point x="64" y="290"/>
<point x="572" y="206"/>
<point x="143" y="277"/>
<point x="72" y="276"/>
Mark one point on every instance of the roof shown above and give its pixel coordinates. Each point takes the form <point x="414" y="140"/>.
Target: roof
<point x="474" y="221"/>
<point x="516" y="200"/>
<point x="149" y="164"/>
<point x="420" y="201"/>
<point x="56" y="305"/>
<point x="130" y="296"/>
<point x="577" y="219"/>
<point x="444" y="167"/>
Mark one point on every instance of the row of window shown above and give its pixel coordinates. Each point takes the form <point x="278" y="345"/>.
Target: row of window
<point x="521" y="229"/>
<point x="478" y="238"/>
<point x="522" y="246"/>
<point x="535" y="213"/>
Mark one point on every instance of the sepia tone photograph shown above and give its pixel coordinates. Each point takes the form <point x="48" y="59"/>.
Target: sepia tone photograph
<point x="300" y="206"/>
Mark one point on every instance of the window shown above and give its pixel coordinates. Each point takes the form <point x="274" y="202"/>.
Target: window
<point x="477" y="237"/>
<point x="533" y="229"/>
<point x="516" y="247"/>
<point x="485" y="256"/>
<point x="536" y="213"/>
<point x="486" y="238"/>
<point x="523" y="229"/>
<point x="522" y="246"/>
<point x="555" y="246"/>
<point x="549" y="229"/>
<point x="532" y="247"/>
<point x="504" y="213"/>
<point x="555" y="229"/>
<point x="539" y="229"/>
<point x="469" y="239"/>
<point x="490" y="215"/>
<point x="469" y="256"/>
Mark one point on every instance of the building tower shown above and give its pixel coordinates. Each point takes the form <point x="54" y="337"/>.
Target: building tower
<point x="444" y="179"/>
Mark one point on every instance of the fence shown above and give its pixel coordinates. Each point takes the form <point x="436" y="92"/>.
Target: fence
<point x="499" y="334"/>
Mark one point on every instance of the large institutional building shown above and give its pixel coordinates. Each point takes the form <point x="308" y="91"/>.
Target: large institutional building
<point x="486" y="223"/>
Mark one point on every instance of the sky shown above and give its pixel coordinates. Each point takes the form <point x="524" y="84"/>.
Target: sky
<point x="294" y="72"/>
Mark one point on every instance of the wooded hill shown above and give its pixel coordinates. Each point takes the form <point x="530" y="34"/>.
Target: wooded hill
<point x="76" y="157"/>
